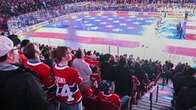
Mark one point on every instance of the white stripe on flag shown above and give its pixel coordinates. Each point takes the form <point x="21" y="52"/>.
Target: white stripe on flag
<point x="116" y="36"/>
<point x="191" y="24"/>
<point x="191" y="31"/>
<point x="52" y="30"/>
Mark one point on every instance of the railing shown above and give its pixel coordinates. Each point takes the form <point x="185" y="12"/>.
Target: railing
<point x="156" y="87"/>
<point x="134" y="94"/>
<point x="151" y="95"/>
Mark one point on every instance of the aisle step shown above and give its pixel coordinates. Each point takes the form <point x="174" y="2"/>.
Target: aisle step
<point x="164" y="99"/>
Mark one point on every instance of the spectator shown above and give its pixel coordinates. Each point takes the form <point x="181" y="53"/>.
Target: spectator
<point x="46" y="53"/>
<point x="15" y="40"/>
<point x="41" y="70"/>
<point x="122" y="78"/>
<point x="106" y="68"/>
<point x="19" y="89"/>
<point x="67" y="81"/>
<point x="107" y="94"/>
<point x="184" y="83"/>
<point x="23" y="59"/>
<point x="83" y="67"/>
<point x="24" y="43"/>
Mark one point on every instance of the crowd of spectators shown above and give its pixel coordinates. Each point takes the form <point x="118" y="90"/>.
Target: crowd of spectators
<point x="40" y="77"/>
<point x="17" y="7"/>
<point x="36" y="11"/>
<point x="69" y="76"/>
<point x="43" y="15"/>
<point x="184" y="81"/>
<point x="9" y="8"/>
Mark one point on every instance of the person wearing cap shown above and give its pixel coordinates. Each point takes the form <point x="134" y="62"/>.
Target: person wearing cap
<point x="19" y="89"/>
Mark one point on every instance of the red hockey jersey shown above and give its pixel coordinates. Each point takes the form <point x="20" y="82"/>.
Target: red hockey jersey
<point x="136" y="83"/>
<point x="89" y="92"/>
<point x="112" y="98"/>
<point x="95" y="79"/>
<point x="43" y="71"/>
<point x="23" y="59"/>
<point x="90" y="61"/>
<point x="67" y="80"/>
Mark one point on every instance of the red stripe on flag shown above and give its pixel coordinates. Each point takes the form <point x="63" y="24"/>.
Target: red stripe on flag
<point x="88" y="39"/>
<point x="181" y="51"/>
<point x="191" y="36"/>
<point x="49" y="35"/>
<point x="191" y="27"/>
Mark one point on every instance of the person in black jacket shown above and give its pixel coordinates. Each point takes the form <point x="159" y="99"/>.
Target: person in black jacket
<point x="107" y="69"/>
<point x="19" y="89"/>
<point x="185" y="89"/>
<point x="122" y="78"/>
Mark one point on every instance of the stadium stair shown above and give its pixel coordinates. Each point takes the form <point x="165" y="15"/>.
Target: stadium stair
<point x="164" y="99"/>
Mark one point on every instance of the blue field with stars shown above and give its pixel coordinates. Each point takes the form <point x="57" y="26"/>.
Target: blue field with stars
<point x="109" y="24"/>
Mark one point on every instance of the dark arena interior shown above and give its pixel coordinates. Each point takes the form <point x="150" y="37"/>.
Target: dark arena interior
<point x="98" y="54"/>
